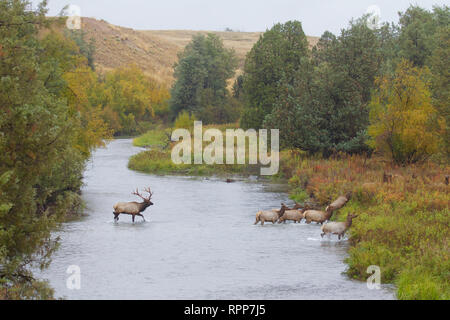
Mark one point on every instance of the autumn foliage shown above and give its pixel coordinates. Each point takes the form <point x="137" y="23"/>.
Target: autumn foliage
<point x="403" y="119"/>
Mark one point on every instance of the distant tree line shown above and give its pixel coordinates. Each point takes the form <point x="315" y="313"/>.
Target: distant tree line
<point x="349" y="93"/>
<point x="346" y="94"/>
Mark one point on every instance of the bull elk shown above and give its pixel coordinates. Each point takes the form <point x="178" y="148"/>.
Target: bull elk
<point x="133" y="208"/>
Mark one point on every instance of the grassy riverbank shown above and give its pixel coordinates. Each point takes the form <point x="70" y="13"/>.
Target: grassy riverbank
<point x="157" y="160"/>
<point x="157" y="138"/>
<point x="403" y="225"/>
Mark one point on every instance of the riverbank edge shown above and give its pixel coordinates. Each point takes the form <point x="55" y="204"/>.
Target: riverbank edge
<point x="322" y="180"/>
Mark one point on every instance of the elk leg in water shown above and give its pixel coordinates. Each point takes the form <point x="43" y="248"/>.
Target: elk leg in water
<point x="140" y="215"/>
<point x="133" y="217"/>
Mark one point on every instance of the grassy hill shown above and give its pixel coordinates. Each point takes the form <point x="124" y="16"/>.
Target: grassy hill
<point x="155" y="51"/>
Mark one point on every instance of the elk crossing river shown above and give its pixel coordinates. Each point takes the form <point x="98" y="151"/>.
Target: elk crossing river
<point x="199" y="242"/>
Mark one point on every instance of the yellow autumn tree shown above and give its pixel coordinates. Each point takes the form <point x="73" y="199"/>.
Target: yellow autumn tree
<point x="134" y="97"/>
<point x="82" y="86"/>
<point x="403" y="119"/>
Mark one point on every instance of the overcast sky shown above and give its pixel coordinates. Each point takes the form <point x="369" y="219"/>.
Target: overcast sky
<point x="316" y="16"/>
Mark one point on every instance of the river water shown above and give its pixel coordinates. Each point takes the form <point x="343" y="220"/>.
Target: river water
<point x="199" y="242"/>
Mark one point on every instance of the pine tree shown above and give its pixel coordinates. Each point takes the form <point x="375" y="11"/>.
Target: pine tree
<point x="201" y="74"/>
<point x="276" y="56"/>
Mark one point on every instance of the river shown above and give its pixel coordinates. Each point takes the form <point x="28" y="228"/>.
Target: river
<point x="199" y="242"/>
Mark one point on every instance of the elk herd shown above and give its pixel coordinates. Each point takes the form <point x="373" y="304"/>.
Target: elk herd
<point x="296" y="214"/>
<point x="299" y="213"/>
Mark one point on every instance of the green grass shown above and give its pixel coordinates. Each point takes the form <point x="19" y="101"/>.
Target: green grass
<point x="159" y="162"/>
<point x="157" y="138"/>
<point x="158" y="159"/>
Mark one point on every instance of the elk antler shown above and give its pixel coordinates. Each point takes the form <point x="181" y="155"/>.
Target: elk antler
<point x="136" y="193"/>
<point x="149" y="191"/>
<point x="142" y="197"/>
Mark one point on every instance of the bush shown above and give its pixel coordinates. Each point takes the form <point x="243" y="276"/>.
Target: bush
<point x="184" y="121"/>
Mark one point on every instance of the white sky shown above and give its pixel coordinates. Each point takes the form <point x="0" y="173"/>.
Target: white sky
<point x="316" y="16"/>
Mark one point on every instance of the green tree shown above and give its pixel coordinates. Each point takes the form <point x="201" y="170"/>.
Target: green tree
<point x="440" y="62"/>
<point x="417" y="29"/>
<point x="33" y="129"/>
<point x="322" y="107"/>
<point x="86" y="48"/>
<point x="201" y="74"/>
<point x="47" y="130"/>
<point x="276" y="56"/>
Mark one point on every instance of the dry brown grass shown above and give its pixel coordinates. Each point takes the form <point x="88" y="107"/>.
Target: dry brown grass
<point x="155" y="51"/>
<point x="403" y="224"/>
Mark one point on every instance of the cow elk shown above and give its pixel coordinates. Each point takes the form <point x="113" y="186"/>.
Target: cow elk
<point x="292" y="215"/>
<point x="339" y="228"/>
<point x="318" y="216"/>
<point x="133" y="208"/>
<point x="339" y="203"/>
<point x="270" y="216"/>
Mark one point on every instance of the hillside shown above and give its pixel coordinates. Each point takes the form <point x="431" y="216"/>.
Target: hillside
<point x="155" y="51"/>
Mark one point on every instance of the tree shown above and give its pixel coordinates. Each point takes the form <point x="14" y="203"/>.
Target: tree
<point x="131" y="97"/>
<point x="401" y="116"/>
<point x="87" y="48"/>
<point x="201" y="74"/>
<point x="417" y="29"/>
<point x="48" y="128"/>
<point x="276" y="56"/>
<point x="322" y="107"/>
<point x="440" y="62"/>
<point x="34" y="130"/>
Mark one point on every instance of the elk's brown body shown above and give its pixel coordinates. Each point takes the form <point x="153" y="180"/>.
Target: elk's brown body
<point x="133" y="208"/>
<point x="270" y="216"/>
<point x="318" y="216"/>
<point x="339" y="203"/>
<point x="339" y="228"/>
<point x="292" y="215"/>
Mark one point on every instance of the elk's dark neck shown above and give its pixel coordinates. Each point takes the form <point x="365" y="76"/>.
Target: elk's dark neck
<point x="143" y="206"/>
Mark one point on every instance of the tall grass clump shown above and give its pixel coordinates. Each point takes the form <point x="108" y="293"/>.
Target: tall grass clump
<point x="157" y="138"/>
